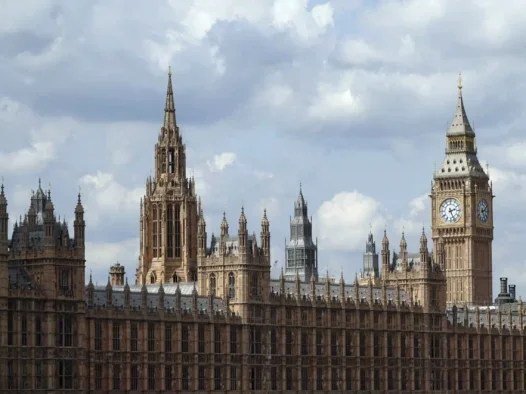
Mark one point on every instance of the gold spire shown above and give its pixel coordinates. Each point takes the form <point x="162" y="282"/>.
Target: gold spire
<point x="459" y="81"/>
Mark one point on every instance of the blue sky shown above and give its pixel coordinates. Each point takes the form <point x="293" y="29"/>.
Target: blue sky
<point x="350" y="98"/>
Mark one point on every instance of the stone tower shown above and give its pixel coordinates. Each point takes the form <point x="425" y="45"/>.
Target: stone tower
<point x="462" y="215"/>
<point x="234" y="267"/>
<point x="370" y="259"/>
<point x="4" y="242"/>
<point x="168" y="221"/>
<point x="117" y="274"/>
<point x="301" y="253"/>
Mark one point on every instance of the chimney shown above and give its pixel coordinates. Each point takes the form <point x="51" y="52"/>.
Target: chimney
<point x="512" y="291"/>
<point x="503" y="285"/>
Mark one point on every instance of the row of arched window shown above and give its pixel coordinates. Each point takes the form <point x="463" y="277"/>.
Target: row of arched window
<point x="173" y="231"/>
<point x="231" y="291"/>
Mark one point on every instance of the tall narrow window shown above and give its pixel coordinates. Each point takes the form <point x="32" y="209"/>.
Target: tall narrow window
<point x="116" y="377"/>
<point x="39" y="335"/>
<point x="184" y="339"/>
<point x="98" y="376"/>
<point x="177" y="230"/>
<point x="151" y="377"/>
<point x="23" y="323"/>
<point x="201" y="338"/>
<point x="116" y="337"/>
<point x="254" y="285"/>
<point x="169" y="231"/>
<point x="233" y="339"/>
<point x="98" y="335"/>
<point x="171" y="160"/>
<point x="154" y="230"/>
<point x="163" y="161"/>
<point x="134" y="372"/>
<point x="65" y="331"/>
<point x="217" y="340"/>
<point x="168" y="377"/>
<point x="11" y="323"/>
<point x="65" y="374"/>
<point x="231" y="285"/>
<point x="151" y="337"/>
<point x="212" y="286"/>
<point x="168" y="338"/>
<point x="38" y="375"/>
<point x="134" y="337"/>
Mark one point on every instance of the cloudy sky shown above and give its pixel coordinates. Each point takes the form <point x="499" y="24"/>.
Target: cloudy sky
<point x="350" y="98"/>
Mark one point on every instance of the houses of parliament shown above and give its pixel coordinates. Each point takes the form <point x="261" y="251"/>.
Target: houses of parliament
<point x="204" y="314"/>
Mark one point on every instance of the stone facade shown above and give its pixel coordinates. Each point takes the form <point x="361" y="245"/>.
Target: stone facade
<point x="206" y="316"/>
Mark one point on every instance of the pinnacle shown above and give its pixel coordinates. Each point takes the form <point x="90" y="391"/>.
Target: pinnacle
<point x="460" y="125"/>
<point x="169" y="108"/>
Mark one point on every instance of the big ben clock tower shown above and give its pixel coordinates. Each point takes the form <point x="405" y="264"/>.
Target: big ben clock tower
<point x="462" y="215"/>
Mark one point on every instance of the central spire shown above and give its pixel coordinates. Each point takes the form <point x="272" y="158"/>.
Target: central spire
<point x="460" y="125"/>
<point x="169" y="108"/>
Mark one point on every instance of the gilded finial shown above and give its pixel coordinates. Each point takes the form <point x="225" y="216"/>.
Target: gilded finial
<point x="169" y="70"/>
<point x="459" y="81"/>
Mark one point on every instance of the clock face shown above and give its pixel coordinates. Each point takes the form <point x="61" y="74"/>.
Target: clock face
<point x="450" y="210"/>
<point x="483" y="211"/>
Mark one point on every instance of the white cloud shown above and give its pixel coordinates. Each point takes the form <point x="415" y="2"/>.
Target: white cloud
<point x="26" y="159"/>
<point x="102" y="255"/>
<point x="334" y="103"/>
<point x="418" y="205"/>
<point x="103" y="195"/>
<point x="221" y="161"/>
<point x="344" y="220"/>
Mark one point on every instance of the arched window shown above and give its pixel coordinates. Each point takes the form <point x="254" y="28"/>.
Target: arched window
<point x="254" y="285"/>
<point x="177" y="231"/>
<point x="231" y="285"/>
<point x="169" y="232"/>
<point x="163" y="161"/>
<point x="152" y="279"/>
<point x="212" y="284"/>
<point x="175" y="278"/>
<point x="154" y="230"/>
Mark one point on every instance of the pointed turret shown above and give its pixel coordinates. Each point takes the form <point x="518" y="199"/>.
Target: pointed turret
<point x="370" y="258"/>
<point x="265" y="235"/>
<point x="79" y="226"/>
<point x="169" y="108"/>
<point x="4" y="224"/>
<point x="460" y="125"/>
<point x="386" y="255"/>
<point x="224" y="226"/>
<point x="242" y="233"/>
<point x="424" y="253"/>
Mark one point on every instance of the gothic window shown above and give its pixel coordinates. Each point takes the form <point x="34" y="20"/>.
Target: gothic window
<point x="38" y="375"/>
<point x="134" y="372"/>
<point x="169" y="231"/>
<point x="177" y="231"/>
<point x="201" y="338"/>
<point x="233" y="339"/>
<point x="98" y="335"/>
<point x="152" y="279"/>
<point x="167" y="377"/>
<point x="64" y="280"/>
<point x="154" y="228"/>
<point x="184" y="339"/>
<point x="116" y="337"/>
<point x="217" y="340"/>
<point x="231" y="285"/>
<point x="168" y="338"/>
<point x="151" y="377"/>
<point x="175" y="279"/>
<point x="65" y="374"/>
<point x="254" y="285"/>
<point x="39" y="334"/>
<point x="151" y="337"/>
<point x="134" y="338"/>
<point x="23" y="323"/>
<point x="163" y="161"/>
<point x="65" y="331"/>
<point x="171" y="160"/>
<point x="212" y="284"/>
<point x="116" y="377"/>
<point x="160" y="233"/>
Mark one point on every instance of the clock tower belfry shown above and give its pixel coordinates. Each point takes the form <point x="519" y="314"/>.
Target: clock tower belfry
<point x="462" y="215"/>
